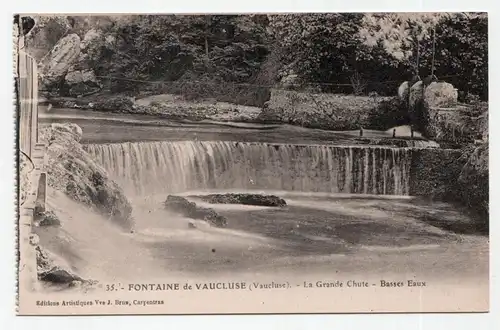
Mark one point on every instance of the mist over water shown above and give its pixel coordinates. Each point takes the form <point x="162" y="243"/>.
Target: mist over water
<point x="144" y="168"/>
<point x="343" y="201"/>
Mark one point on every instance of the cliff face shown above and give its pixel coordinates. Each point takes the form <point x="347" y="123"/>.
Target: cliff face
<point x="72" y="171"/>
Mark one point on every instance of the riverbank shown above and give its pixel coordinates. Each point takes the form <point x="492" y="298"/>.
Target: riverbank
<point x="316" y="111"/>
<point x="160" y="106"/>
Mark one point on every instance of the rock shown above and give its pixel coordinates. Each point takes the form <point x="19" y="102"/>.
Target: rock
<point x="403" y="91"/>
<point x="49" y="270"/>
<point x="245" y="199"/>
<point x="59" y="276"/>
<point x="82" y="82"/>
<point x="55" y="65"/>
<point x="77" y="77"/>
<point x="290" y="81"/>
<point x="440" y="94"/>
<point x="110" y="41"/>
<point x="326" y="111"/>
<point x="43" y="261"/>
<point x="71" y="170"/>
<point x="68" y="131"/>
<point x="92" y="36"/>
<point x="416" y="93"/>
<point x="34" y="239"/>
<point x="47" y="218"/>
<point x="45" y="34"/>
<point x="191" y="210"/>
<point x="179" y="204"/>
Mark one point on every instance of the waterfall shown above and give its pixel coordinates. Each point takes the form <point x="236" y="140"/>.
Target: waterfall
<point x="179" y="166"/>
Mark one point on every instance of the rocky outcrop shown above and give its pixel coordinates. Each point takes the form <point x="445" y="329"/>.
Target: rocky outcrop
<point x="82" y="83"/>
<point x="245" y="199"/>
<point x="191" y="210"/>
<point x="56" y="64"/>
<point x="72" y="170"/>
<point x="49" y="270"/>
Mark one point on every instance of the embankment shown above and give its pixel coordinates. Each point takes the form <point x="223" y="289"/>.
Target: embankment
<point x="332" y="111"/>
<point x="323" y="111"/>
<point x="161" y="106"/>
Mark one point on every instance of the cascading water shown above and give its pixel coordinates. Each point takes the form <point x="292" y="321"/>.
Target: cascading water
<point x="145" y="168"/>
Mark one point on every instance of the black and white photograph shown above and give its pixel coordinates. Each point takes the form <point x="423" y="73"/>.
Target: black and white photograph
<point x="252" y="163"/>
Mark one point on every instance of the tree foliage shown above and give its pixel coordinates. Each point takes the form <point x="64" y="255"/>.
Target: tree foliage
<point x="326" y="47"/>
<point x="170" y="47"/>
<point x="333" y="52"/>
<point x="454" y="44"/>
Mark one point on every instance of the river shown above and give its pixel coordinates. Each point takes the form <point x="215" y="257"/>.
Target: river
<point x="348" y="210"/>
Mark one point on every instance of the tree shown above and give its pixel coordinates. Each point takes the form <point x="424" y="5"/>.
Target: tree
<point x="328" y="48"/>
<point x="454" y="44"/>
<point x="400" y="34"/>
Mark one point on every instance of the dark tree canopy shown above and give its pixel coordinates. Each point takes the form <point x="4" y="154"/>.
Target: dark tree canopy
<point x="357" y="53"/>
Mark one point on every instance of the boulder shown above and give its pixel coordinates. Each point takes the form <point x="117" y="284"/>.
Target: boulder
<point x="45" y="34"/>
<point x="179" y="204"/>
<point x="46" y="218"/>
<point x="56" y="64"/>
<point x="191" y="210"/>
<point x="403" y="91"/>
<point x="53" y="269"/>
<point x="59" y="276"/>
<point x="82" y="82"/>
<point x="290" y="81"/>
<point x="416" y="93"/>
<point x="440" y="95"/>
<point x="245" y="199"/>
<point x="92" y="36"/>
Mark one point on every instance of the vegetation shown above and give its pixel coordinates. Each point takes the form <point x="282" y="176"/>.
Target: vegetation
<point x="237" y="58"/>
<point x="240" y="58"/>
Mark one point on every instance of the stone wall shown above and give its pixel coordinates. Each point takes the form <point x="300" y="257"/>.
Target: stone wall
<point x="432" y="171"/>
<point x="455" y="175"/>
<point x="333" y="111"/>
<point x="459" y="124"/>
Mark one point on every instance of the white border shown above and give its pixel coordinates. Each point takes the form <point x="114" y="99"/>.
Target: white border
<point x="386" y="322"/>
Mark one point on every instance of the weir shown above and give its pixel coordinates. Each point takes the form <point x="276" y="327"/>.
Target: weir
<point x="144" y="168"/>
